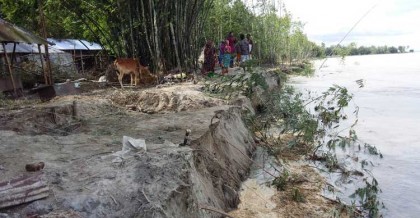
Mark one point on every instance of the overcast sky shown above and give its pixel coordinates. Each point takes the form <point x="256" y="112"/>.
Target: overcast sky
<point x="391" y="22"/>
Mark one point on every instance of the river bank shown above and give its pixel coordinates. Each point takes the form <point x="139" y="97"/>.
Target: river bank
<point x="89" y="176"/>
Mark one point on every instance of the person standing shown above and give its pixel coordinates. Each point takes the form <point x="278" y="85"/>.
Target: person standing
<point x="238" y="53"/>
<point x="227" y="57"/>
<point x="251" y="44"/>
<point x="221" y="52"/>
<point x="244" y="48"/>
<point x="232" y="41"/>
<point x="209" y="57"/>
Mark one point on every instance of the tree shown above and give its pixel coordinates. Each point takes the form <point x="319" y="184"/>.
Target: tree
<point x="392" y="50"/>
<point x="401" y="49"/>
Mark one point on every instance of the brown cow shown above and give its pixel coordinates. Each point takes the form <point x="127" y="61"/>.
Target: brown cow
<point x="146" y="76"/>
<point x="130" y="66"/>
<point x="137" y="71"/>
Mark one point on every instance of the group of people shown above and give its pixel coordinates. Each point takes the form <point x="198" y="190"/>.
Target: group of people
<point x="230" y="51"/>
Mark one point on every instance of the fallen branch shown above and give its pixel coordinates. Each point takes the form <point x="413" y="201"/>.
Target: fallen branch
<point x="356" y="211"/>
<point x="204" y="207"/>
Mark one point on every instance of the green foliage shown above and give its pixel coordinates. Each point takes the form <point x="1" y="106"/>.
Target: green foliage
<point x="318" y="131"/>
<point x="232" y="86"/>
<point x="298" y="196"/>
<point x="143" y="28"/>
<point x="276" y="38"/>
<point x="303" y="69"/>
<point x="368" y="198"/>
<point x="281" y="181"/>
<point x="352" y="49"/>
<point x="373" y="150"/>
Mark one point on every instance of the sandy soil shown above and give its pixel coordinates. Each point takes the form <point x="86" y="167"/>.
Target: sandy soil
<point x="79" y="150"/>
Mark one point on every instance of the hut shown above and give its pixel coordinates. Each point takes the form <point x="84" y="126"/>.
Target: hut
<point x="27" y="63"/>
<point x="88" y="56"/>
<point x="12" y="35"/>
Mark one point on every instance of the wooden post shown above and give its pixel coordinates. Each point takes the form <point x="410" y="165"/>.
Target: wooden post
<point x="13" y="54"/>
<point x="81" y="62"/>
<point x="49" y="70"/>
<point x="42" y="65"/>
<point x="9" y="68"/>
<point x="74" y="112"/>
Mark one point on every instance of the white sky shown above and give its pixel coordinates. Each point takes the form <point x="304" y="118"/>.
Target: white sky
<point x="391" y="22"/>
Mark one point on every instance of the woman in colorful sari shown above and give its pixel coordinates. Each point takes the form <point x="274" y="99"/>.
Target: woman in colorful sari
<point x="209" y="58"/>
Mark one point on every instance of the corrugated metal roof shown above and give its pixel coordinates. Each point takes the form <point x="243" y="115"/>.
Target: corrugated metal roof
<point x="28" y="48"/>
<point x="74" y="44"/>
<point x="12" y="33"/>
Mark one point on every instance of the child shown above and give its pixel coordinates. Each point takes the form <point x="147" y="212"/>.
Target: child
<point x="238" y="53"/>
<point x="221" y="52"/>
<point x="226" y="58"/>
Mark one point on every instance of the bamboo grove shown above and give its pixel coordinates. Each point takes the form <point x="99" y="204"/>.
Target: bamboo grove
<point x="167" y="34"/>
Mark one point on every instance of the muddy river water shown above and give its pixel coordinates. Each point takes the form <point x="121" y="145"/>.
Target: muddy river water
<point x="389" y="118"/>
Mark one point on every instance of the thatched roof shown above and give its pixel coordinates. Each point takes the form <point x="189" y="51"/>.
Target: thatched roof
<point x="9" y="33"/>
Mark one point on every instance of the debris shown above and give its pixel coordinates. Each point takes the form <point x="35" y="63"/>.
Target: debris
<point x="169" y="144"/>
<point x="129" y="144"/>
<point x="23" y="190"/>
<point x="133" y="144"/>
<point x="131" y="107"/>
<point x="80" y="80"/>
<point x="187" y="139"/>
<point x="205" y="207"/>
<point x="102" y="79"/>
<point x="45" y="93"/>
<point x="35" y="167"/>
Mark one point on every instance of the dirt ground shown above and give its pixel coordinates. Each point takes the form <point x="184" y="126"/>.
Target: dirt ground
<point x="79" y="138"/>
<point x="78" y="151"/>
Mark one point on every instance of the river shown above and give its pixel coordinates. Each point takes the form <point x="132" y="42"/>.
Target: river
<point x="389" y="118"/>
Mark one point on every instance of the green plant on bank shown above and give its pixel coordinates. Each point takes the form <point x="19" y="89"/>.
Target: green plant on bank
<point x="303" y="69"/>
<point x="313" y="121"/>
<point x="281" y="181"/>
<point x="368" y="198"/>
<point x="326" y="136"/>
<point x="318" y="133"/>
<point x="231" y="86"/>
<point x="298" y="196"/>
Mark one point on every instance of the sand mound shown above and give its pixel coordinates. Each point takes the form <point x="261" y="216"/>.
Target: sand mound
<point x="167" y="99"/>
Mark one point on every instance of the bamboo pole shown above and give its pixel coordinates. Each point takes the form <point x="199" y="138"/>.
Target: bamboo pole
<point x="175" y="47"/>
<point x="44" y="34"/>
